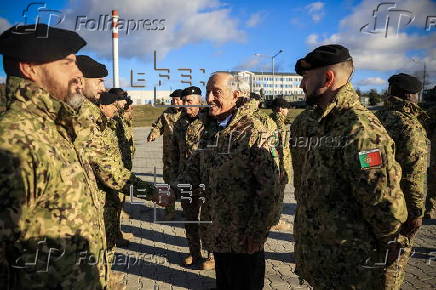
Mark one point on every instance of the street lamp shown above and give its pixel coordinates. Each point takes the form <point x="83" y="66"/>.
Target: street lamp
<point x="272" y="67"/>
<point x="272" y="60"/>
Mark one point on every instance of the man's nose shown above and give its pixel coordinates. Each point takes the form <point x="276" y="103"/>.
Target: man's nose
<point x="209" y="97"/>
<point x="78" y="82"/>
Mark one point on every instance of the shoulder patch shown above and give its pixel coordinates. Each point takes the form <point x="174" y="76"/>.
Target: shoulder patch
<point x="370" y="159"/>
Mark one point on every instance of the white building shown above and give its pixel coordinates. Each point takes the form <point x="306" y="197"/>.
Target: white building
<point x="146" y="97"/>
<point x="283" y="84"/>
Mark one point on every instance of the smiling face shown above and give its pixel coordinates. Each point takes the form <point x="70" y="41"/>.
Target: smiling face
<point x="220" y="97"/>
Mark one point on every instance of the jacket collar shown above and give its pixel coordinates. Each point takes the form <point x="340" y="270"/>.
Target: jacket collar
<point x="28" y="96"/>
<point x="345" y="98"/>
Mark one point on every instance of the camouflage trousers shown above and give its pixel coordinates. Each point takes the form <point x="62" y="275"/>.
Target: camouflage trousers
<point x="395" y="273"/>
<point x="279" y="204"/>
<point x="170" y="210"/>
<point x="190" y="213"/>
<point x="112" y="213"/>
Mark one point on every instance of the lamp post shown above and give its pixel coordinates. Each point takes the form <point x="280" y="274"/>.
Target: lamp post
<point x="272" y="67"/>
<point x="272" y="60"/>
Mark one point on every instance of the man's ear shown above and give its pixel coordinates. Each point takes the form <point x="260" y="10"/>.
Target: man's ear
<point x="330" y="77"/>
<point x="28" y="70"/>
<point x="236" y="95"/>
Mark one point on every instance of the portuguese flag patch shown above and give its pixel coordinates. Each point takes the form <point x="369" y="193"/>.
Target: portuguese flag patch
<point x="370" y="159"/>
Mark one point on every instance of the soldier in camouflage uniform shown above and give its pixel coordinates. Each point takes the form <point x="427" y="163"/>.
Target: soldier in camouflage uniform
<point x="241" y="185"/>
<point x="101" y="147"/>
<point x="105" y="157"/>
<point x="121" y="125"/>
<point x="50" y="205"/>
<point x="124" y="129"/>
<point x="350" y="205"/>
<point x="403" y="119"/>
<point x="280" y="111"/>
<point x="430" y="207"/>
<point x="164" y="125"/>
<point x="182" y="150"/>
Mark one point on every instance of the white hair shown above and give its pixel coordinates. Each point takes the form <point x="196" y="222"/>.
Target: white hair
<point x="236" y="82"/>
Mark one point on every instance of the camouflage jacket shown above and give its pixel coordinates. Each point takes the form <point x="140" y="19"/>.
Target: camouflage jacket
<point x="350" y="202"/>
<point x="48" y="195"/>
<point x="283" y="146"/>
<point x="302" y="129"/>
<point x="252" y="107"/>
<point x="183" y="144"/>
<point x="401" y="119"/>
<point x="164" y="125"/>
<point x="124" y="132"/>
<point x="240" y="177"/>
<point x="102" y="150"/>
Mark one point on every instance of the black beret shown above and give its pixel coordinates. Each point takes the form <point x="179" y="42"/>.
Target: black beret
<point x="119" y="92"/>
<point x="91" y="68"/>
<point x="255" y="96"/>
<point x="191" y="91"/>
<point x="107" y="98"/>
<point x="322" y="56"/>
<point x="39" y="43"/>
<point x="279" y="103"/>
<point x="405" y="82"/>
<point x="176" y="94"/>
<point x="122" y="95"/>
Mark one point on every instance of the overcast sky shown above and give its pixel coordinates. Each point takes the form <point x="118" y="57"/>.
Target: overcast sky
<point x="217" y="35"/>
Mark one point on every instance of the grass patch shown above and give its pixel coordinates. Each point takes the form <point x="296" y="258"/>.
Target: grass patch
<point x="145" y="115"/>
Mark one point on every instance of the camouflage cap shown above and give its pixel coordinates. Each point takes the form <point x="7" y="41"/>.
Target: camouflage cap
<point x="322" y="56"/>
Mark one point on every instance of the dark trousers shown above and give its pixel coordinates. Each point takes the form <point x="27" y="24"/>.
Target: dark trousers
<point x="190" y="213"/>
<point x="239" y="271"/>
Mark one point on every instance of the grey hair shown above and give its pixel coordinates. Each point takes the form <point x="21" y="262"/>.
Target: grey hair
<point x="236" y="82"/>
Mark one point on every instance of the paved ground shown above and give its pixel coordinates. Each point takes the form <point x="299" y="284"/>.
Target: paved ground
<point x="152" y="260"/>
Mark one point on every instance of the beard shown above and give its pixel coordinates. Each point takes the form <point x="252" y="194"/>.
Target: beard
<point x="313" y="99"/>
<point x="75" y="100"/>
